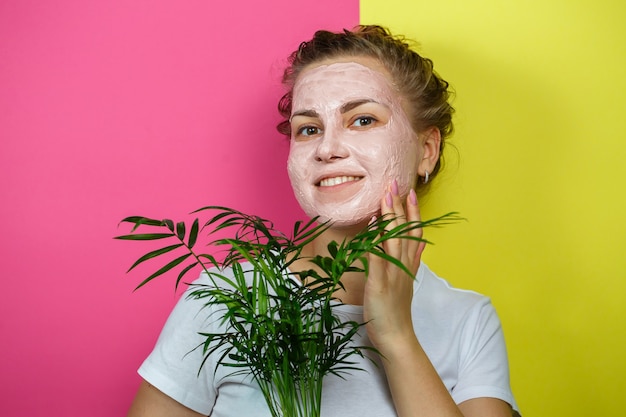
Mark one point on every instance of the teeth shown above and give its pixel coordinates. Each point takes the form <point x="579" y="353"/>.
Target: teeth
<point x="329" y="182"/>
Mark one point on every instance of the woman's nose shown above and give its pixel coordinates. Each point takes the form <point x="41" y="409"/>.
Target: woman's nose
<point x="331" y="146"/>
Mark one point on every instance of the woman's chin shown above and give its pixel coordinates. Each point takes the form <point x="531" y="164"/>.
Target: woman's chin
<point x="347" y="223"/>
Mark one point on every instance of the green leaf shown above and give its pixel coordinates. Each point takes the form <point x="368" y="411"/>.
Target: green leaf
<point x="393" y="260"/>
<point x="164" y="269"/>
<point x="142" y="220"/>
<point x="183" y="272"/>
<point x="180" y="230"/>
<point x="139" y="220"/>
<point x="210" y="258"/>
<point x="193" y="234"/>
<point x="145" y="236"/>
<point x="217" y="208"/>
<point x="154" y="254"/>
<point x="169" y="224"/>
<point x="332" y="248"/>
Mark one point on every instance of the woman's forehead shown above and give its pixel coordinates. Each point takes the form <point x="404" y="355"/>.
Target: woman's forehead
<point x="334" y="82"/>
<point x="366" y="61"/>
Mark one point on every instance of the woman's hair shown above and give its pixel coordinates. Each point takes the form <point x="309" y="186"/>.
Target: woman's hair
<point x="425" y="92"/>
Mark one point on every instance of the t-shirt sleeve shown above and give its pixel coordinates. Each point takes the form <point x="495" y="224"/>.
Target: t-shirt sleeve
<point x="174" y="366"/>
<point x="483" y="366"/>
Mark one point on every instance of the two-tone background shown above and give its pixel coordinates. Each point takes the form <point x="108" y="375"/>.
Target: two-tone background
<point x="117" y="108"/>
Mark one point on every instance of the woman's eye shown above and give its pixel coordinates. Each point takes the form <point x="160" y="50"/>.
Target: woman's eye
<point x="309" y="131"/>
<point x="364" y="121"/>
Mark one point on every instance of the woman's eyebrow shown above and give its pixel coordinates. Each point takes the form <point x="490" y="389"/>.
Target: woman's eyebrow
<point x="356" y="103"/>
<point x="306" y="113"/>
<point x="343" y="109"/>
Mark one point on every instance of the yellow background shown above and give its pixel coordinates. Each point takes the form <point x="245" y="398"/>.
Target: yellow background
<point x="538" y="169"/>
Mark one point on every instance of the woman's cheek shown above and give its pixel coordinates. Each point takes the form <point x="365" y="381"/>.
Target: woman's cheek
<point x="297" y="167"/>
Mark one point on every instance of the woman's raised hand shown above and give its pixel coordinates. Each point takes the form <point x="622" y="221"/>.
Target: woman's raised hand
<point x="388" y="290"/>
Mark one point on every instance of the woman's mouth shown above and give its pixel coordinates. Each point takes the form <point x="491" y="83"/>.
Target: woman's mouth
<point x="332" y="181"/>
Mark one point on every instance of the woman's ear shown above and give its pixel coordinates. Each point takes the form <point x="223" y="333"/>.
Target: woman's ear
<point x="432" y="145"/>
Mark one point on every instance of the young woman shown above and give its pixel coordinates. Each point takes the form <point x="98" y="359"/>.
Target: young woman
<point x="368" y="118"/>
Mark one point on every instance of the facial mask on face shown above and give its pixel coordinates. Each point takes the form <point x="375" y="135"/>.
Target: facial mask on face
<point x="350" y="139"/>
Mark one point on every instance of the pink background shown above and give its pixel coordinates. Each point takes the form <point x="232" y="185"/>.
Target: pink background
<point x="118" y="108"/>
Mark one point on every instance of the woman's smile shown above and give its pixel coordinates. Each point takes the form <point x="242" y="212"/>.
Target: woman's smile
<point x="334" y="181"/>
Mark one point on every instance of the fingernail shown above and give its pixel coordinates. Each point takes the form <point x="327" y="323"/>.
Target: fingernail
<point x="412" y="197"/>
<point x="389" y="200"/>
<point x="394" y="187"/>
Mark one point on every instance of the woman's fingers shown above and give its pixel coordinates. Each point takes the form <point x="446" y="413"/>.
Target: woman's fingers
<point x="392" y="207"/>
<point x="406" y="250"/>
<point x="414" y="247"/>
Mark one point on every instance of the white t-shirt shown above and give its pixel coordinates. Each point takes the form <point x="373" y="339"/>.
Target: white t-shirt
<point x="459" y="330"/>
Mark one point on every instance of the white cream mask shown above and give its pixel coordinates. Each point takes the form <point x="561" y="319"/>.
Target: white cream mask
<point x="350" y="139"/>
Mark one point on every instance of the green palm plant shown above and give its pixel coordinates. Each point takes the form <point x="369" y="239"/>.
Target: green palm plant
<point x="280" y="326"/>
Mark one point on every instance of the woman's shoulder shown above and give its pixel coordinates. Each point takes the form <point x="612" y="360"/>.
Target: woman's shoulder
<point x="437" y="294"/>
<point x="444" y="315"/>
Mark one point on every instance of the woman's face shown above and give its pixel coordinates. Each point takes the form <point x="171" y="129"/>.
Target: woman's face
<point x="350" y="138"/>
